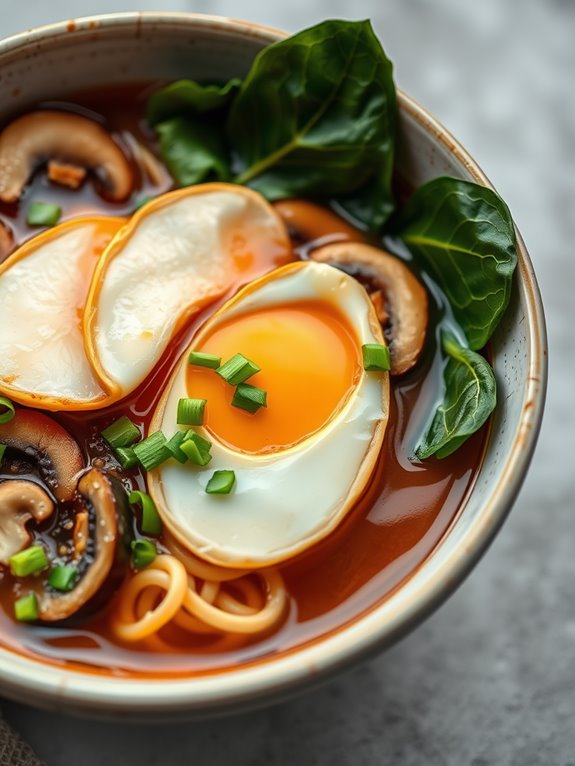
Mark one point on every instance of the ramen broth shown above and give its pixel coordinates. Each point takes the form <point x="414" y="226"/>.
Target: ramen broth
<point x="407" y="508"/>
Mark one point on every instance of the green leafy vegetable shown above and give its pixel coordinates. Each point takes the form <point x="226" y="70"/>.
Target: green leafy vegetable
<point x="186" y="97"/>
<point x="193" y="151"/>
<point x="315" y="115"/>
<point x="469" y="398"/>
<point x="465" y="235"/>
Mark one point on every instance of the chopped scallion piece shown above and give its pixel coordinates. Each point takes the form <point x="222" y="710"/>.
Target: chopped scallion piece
<point x="126" y="457"/>
<point x="26" y="608"/>
<point x="191" y="412"/>
<point x="376" y="357"/>
<point x="203" y="444"/>
<point x="249" y="398"/>
<point x="121" y="433"/>
<point x="200" y="359"/>
<point x="63" y="578"/>
<point x="7" y="410"/>
<point x="2" y="451"/>
<point x="194" y="454"/>
<point x="196" y="448"/>
<point x="43" y="214"/>
<point x="152" y="451"/>
<point x="221" y="483"/>
<point x="237" y="369"/>
<point x="29" y="561"/>
<point x="143" y="553"/>
<point x="174" y="446"/>
<point x="150" y="522"/>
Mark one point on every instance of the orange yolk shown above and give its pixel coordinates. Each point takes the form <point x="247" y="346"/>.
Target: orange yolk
<point x="309" y="359"/>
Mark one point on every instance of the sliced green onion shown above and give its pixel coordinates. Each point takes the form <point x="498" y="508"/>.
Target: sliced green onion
<point x="29" y="561"/>
<point x="26" y="608"/>
<point x="249" y="398"/>
<point x="194" y="454"/>
<point x="221" y="483"/>
<point x="153" y="451"/>
<point x="7" y="410"/>
<point x="237" y="369"/>
<point x="203" y="444"/>
<point x="196" y="448"/>
<point x="2" y="451"/>
<point x="376" y="357"/>
<point x="122" y="433"/>
<point x="150" y="522"/>
<point x="43" y="214"/>
<point x="200" y="359"/>
<point x="126" y="457"/>
<point x="143" y="553"/>
<point x="174" y="446"/>
<point x="63" y="578"/>
<point x="191" y="412"/>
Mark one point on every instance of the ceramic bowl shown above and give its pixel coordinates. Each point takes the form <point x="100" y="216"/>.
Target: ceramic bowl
<point x="131" y="47"/>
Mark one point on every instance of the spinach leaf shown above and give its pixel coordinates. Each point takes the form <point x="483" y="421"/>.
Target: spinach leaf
<point x="315" y="117"/>
<point x="193" y="151"/>
<point x="186" y="97"/>
<point x="464" y="233"/>
<point x="469" y="398"/>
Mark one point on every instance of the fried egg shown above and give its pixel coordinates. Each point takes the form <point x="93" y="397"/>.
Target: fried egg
<point x="43" y="288"/>
<point x="179" y="252"/>
<point x="300" y="463"/>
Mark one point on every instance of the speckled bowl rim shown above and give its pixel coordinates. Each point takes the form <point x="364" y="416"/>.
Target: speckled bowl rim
<point x="36" y="682"/>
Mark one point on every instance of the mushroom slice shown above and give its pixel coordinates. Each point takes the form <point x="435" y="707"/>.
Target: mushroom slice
<point x="405" y="297"/>
<point x="44" y="135"/>
<point x="180" y="252"/>
<point x="43" y="288"/>
<point x="309" y="221"/>
<point x="104" y="501"/>
<point x="50" y="446"/>
<point x="20" y="501"/>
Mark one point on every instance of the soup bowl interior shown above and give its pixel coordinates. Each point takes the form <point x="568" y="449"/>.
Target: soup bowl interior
<point x="51" y="62"/>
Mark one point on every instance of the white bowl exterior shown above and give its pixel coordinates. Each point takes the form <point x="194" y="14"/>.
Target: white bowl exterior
<point x="123" y="48"/>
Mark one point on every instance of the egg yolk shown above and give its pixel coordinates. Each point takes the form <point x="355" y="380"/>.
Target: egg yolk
<point x="310" y="363"/>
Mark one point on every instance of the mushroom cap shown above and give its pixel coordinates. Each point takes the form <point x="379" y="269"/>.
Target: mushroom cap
<point x="58" y="455"/>
<point x="43" y="135"/>
<point x="405" y="297"/>
<point x="105" y="501"/>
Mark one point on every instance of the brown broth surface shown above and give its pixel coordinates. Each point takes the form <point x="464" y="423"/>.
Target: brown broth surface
<point x="406" y="509"/>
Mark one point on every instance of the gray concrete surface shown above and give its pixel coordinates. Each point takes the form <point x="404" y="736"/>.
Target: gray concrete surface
<point x="490" y="678"/>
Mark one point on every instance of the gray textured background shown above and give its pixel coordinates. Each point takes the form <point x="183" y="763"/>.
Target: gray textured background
<point x="490" y="678"/>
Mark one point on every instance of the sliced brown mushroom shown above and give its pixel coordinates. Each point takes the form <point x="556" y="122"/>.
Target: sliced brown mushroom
<point x="405" y="302"/>
<point x="309" y="221"/>
<point x="53" y="450"/>
<point x="41" y="136"/>
<point x="20" y="502"/>
<point x="102" y="503"/>
<point x="6" y="241"/>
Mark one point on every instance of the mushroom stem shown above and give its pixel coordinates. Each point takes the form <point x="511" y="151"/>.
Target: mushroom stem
<point x="20" y="501"/>
<point x="70" y="138"/>
<point x="405" y="309"/>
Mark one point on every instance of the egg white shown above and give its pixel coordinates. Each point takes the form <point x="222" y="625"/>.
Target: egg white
<point x="287" y="501"/>
<point x="42" y="358"/>
<point x="173" y="258"/>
